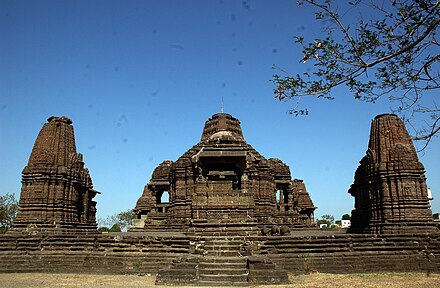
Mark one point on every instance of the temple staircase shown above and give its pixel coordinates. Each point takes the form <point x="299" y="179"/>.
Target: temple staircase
<point x="222" y="261"/>
<point x="222" y="271"/>
<point x="248" y="228"/>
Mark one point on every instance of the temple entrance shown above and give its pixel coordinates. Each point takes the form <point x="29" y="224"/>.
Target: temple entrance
<point x="219" y="195"/>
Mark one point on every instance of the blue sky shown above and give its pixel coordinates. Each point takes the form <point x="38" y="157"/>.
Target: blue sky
<point x="140" y="78"/>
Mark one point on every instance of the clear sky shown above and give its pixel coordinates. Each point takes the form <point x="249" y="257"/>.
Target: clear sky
<point x="140" y="78"/>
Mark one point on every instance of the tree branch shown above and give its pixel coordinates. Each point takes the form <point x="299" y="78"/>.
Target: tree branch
<point x="342" y="27"/>
<point x="408" y="47"/>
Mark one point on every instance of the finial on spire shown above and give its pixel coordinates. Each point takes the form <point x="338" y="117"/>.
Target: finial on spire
<point x="223" y="106"/>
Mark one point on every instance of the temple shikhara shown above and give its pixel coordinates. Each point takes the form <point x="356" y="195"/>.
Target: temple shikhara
<point x="223" y="180"/>
<point x="57" y="191"/>
<point x="390" y="186"/>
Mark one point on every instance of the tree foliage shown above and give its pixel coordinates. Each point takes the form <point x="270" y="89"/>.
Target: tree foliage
<point x="375" y="49"/>
<point x="115" y="228"/>
<point x="329" y="218"/>
<point x="104" y="229"/>
<point x="122" y="221"/>
<point x="8" y="211"/>
<point x="346" y="217"/>
<point x="326" y="219"/>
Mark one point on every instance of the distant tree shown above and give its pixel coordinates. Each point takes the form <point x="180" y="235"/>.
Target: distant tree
<point x="375" y="49"/>
<point x="329" y="218"/>
<point x="320" y="221"/>
<point x="115" y="228"/>
<point x="346" y="217"/>
<point x="8" y="211"/>
<point x="123" y="219"/>
<point x="104" y="229"/>
<point x="326" y="219"/>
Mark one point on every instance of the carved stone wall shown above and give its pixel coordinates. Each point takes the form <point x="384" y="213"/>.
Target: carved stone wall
<point x="222" y="179"/>
<point x="390" y="186"/>
<point x="57" y="191"/>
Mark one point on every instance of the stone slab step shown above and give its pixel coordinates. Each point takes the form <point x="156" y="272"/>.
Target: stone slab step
<point x="237" y="266"/>
<point x="223" y="242"/>
<point x="231" y="243"/>
<point x="223" y="278"/>
<point x="221" y="284"/>
<point x="224" y="238"/>
<point x="210" y="259"/>
<point x="215" y="247"/>
<point x="242" y="234"/>
<point x="223" y="253"/>
<point x="223" y="271"/>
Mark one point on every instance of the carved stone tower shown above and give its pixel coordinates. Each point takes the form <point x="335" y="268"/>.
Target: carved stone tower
<point x="57" y="190"/>
<point x="389" y="185"/>
<point x="223" y="180"/>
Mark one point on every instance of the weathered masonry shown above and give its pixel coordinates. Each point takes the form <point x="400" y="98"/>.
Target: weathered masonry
<point x="390" y="186"/>
<point x="231" y="217"/>
<point x="223" y="180"/>
<point x="57" y="191"/>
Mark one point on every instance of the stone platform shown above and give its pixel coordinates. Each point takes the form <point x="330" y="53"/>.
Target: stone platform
<point x="180" y="259"/>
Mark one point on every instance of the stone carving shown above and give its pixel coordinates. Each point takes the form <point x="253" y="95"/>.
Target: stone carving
<point x="222" y="179"/>
<point x="57" y="191"/>
<point x="389" y="185"/>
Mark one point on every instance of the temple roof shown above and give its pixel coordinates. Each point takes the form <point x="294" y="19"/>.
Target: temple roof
<point x="222" y="125"/>
<point x="390" y="141"/>
<point x="55" y="144"/>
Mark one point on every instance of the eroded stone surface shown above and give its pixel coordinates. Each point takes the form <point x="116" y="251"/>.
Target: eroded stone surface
<point x="57" y="191"/>
<point x="223" y="180"/>
<point x="390" y="186"/>
<point x="223" y="189"/>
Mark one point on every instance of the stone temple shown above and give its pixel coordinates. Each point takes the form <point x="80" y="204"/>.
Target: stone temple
<point x="390" y="186"/>
<point x="227" y="216"/>
<point x="222" y="180"/>
<point x="57" y="191"/>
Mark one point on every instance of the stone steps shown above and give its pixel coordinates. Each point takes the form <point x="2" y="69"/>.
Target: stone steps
<point x="223" y="260"/>
<point x="219" y="264"/>
<point x="215" y="270"/>
<point x="133" y="253"/>
<point x="225" y="271"/>
<point x="222" y="265"/>
<point x="225" y="229"/>
<point x="222" y="251"/>
<point x="221" y="283"/>
<point x="223" y="246"/>
<point x="224" y="277"/>
<point x="346" y="244"/>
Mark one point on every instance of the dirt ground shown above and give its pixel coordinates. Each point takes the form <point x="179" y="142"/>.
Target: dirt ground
<point x="318" y="280"/>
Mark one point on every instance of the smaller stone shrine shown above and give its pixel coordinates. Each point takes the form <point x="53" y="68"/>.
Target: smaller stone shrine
<point x="223" y="180"/>
<point x="57" y="191"/>
<point x="389" y="185"/>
